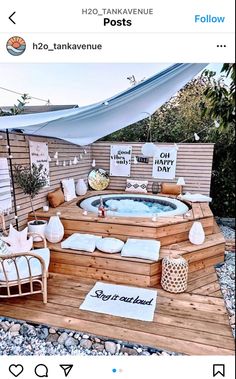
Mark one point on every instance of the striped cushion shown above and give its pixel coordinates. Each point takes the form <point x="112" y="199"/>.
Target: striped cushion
<point x="3" y="252"/>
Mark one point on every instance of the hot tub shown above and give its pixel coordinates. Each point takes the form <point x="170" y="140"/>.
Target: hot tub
<point x="135" y="205"/>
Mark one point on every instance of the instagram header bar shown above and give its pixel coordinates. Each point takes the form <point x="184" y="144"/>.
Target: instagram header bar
<point x="101" y="31"/>
<point x="104" y="16"/>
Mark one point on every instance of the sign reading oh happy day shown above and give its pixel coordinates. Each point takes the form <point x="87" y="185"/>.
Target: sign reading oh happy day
<point x="164" y="163"/>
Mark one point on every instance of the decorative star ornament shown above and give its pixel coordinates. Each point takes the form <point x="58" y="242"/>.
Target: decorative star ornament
<point x="18" y="241"/>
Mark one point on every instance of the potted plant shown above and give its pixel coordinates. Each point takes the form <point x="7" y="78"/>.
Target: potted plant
<point x="31" y="179"/>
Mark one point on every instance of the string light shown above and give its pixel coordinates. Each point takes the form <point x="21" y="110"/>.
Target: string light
<point x="56" y="155"/>
<point x="93" y="163"/>
<point x="196" y="137"/>
<point x="23" y="94"/>
<point x="75" y="160"/>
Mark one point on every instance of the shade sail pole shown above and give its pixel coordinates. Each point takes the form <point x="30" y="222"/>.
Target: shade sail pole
<point x="12" y="178"/>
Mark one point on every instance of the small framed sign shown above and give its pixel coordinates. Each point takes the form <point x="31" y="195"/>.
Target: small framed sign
<point x="141" y="159"/>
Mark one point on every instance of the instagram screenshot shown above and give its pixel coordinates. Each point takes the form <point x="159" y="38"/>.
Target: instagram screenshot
<point x="117" y="189"/>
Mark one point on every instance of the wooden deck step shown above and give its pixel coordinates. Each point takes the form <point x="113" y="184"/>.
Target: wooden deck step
<point x="133" y="271"/>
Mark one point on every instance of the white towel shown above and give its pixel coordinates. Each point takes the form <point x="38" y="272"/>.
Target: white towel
<point x="5" y="187"/>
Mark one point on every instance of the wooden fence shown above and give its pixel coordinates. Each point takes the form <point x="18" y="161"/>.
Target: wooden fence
<point x="194" y="163"/>
<point x="66" y="152"/>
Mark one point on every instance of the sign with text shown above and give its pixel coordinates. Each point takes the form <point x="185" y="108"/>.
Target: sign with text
<point x="120" y="160"/>
<point x="39" y="156"/>
<point x="121" y="301"/>
<point x="164" y="163"/>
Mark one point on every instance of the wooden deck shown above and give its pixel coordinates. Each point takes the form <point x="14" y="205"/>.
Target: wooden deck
<point x="193" y="323"/>
<point x="168" y="230"/>
<point x="137" y="272"/>
<point x="116" y="269"/>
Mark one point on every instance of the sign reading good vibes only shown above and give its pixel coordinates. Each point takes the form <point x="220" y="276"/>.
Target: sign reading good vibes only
<point x="120" y="160"/>
<point x="122" y="301"/>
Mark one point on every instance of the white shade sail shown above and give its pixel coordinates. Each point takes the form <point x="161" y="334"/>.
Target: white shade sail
<point x="87" y="124"/>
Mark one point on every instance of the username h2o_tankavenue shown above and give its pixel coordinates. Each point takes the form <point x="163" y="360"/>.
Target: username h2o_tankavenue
<point x="66" y="46"/>
<point x="107" y="21"/>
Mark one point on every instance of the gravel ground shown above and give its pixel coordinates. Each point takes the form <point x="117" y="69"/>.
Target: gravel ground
<point x="20" y="338"/>
<point x="228" y="232"/>
<point x="226" y="275"/>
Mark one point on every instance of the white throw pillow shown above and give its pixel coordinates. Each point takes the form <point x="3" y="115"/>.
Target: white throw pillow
<point x="68" y="186"/>
<point x="195" y="197"/>
<point x="138" y="248"/>
<point x="77" y="241"/>
<point x="109" y="245"/>
<point x="139" y="186"/>
<point x="17" y="241"/>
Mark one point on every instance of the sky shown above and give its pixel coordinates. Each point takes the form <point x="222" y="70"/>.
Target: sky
<point x="72" y="83"/>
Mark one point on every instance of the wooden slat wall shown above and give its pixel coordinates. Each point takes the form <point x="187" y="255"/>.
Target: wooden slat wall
<point x="20" y="151"/>
<point x="194" y="163"/>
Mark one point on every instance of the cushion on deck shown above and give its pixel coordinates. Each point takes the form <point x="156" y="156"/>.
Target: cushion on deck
<point x="22" y="265"/>
<point x="56" y="198"/>
<point x="171" y="189"/>
<point x="136" y="186"/>
<point x="195" y="197"/>
<point x="77" y="241"/>
<point x="138" y="248"/>
<point x="68" y="186"/>
<point x="109" y="245"/>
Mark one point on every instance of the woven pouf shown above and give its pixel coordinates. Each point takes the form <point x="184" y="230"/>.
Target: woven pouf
<point x="174" y="276"/>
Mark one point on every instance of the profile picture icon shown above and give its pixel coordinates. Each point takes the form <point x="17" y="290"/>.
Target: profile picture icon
<point x="16" y="45"/>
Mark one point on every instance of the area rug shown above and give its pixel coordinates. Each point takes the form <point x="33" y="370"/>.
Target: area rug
<point x="123" y="301"/>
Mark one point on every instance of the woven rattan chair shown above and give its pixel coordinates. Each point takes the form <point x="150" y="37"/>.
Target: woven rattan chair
<point x="28" y="273"/>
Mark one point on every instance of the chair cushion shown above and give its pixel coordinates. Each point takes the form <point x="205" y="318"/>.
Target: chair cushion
<point x="171" y="188"/>
<point x="139" y="186"/>
<point x="56" y="198"/>
<point x="109" y="245"/>
<point x="138" y="248"/>
<point x="68" y="186"/>
<point x="22" y="265"/>
<point x="77" y="241"/>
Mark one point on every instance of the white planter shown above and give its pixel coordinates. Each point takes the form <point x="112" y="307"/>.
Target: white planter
<point x="81" y="188"/>
<point x="197" y="234"/>
<point x="55" y="230"/>
<point x="40" y="229"/>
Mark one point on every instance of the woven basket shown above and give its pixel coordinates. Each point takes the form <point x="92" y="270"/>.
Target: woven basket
<point x="174" y="276"/>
